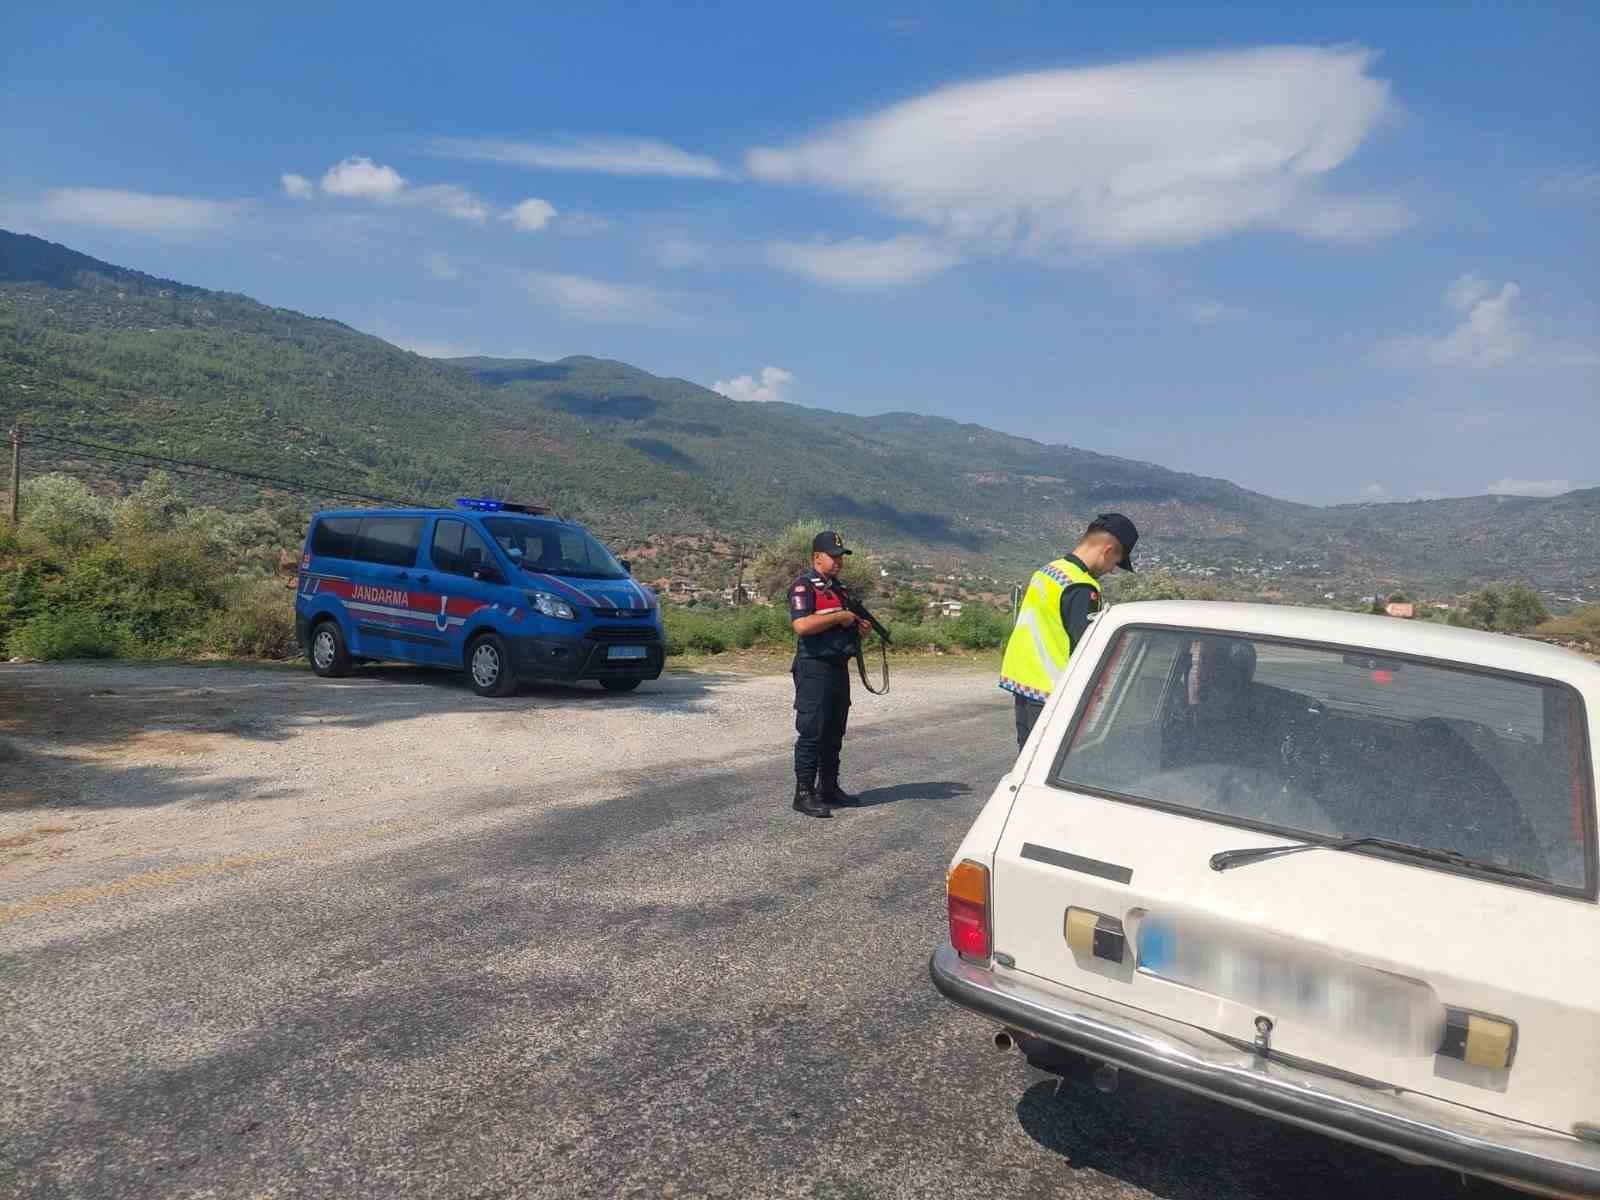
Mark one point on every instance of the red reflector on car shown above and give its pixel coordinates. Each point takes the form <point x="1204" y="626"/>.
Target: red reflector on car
<point x="967" y="904"/>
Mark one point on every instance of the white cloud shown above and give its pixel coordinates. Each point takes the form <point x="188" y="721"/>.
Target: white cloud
<point x="360" y="176"/>
<point x="594" y="299"/>
<point x="441" y="267"/>
<point x="1489" y="334"/>
<point x="675" y="252"/>
<point x="137" y="212"/>
<point x="612" y="156"/>
<point x="449" y="199"/>
<point x="531" y="215"/>
<point x="859" y="263"/>
<point x="297" y="187"/>
<point x="1159" y="152"/>
<point x="1529" y="487"/>
<point x="773" y="384"/>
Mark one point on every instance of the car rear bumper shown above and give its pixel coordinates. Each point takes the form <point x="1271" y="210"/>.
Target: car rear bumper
<point x="1409" y="1126"/>
<point x="567" y="660"/>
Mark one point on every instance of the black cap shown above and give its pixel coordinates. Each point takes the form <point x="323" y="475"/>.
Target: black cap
<point x="1119" y="527"/>
<point x="828" y="542"/>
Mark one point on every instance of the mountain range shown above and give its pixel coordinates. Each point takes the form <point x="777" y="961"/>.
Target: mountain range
<point x="664" y="467"/>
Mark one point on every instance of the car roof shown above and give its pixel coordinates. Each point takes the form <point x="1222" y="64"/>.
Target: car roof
<point x="438" y="512"/>
<point x="1422" y="639"/>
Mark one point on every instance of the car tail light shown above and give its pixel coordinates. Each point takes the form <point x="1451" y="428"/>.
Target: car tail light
<point x="967" y="901"/>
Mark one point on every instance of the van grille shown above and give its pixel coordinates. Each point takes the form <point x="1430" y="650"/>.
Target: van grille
<point x="623" y="633"/>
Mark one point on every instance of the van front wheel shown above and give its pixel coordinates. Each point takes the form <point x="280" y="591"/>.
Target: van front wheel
<point x="330" y="657"/>
<point x="489" y="666"/>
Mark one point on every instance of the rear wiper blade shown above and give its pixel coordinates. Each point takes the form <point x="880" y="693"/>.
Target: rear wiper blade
<point x="1224" y="859"/>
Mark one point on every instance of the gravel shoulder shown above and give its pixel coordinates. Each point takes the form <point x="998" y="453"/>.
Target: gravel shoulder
<point x="120" y="769"/>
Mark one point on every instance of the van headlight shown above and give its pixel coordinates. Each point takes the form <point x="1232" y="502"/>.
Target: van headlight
<point x="550" y="605"/>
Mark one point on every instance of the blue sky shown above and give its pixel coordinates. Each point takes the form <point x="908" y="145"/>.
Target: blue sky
<point x="1333" y="256"/>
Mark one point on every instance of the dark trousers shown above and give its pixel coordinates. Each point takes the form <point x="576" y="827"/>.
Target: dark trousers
<point x="1027" y="713"/>
<point x="821" y="711"/>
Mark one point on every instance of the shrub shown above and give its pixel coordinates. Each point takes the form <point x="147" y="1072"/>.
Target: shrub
<point x="690" y="631"/>
<point x="980" y="628"/>
<point x="60" y="516"/>
<point x="1581" y="624"/>
<point x="68" y="633"/>
<point x="258" y="622"/>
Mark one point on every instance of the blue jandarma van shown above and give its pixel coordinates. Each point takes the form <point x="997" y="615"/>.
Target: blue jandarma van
<point x="501" y="591"/>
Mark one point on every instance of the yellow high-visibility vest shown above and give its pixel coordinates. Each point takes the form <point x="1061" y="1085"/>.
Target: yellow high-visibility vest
<point x="1039" y="647"/>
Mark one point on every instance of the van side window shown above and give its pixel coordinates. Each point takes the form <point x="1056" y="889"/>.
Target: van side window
<point x="335" y="537"/>
<point x="389" y="541"/>
<point x="446" y="550"/>
<point x="458" y="549"/>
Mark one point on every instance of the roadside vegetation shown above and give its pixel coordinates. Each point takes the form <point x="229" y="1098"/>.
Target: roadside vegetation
<point x="151" y="575"/>
<point x="146" y="576"/>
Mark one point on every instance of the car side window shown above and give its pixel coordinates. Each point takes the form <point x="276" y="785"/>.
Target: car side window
<point x="389" y="541"/>
<point x="335" y="537"/>
<point x="446" y="550"/>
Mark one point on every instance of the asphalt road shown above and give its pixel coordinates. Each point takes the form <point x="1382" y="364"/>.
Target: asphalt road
<point x="683" y="989"/>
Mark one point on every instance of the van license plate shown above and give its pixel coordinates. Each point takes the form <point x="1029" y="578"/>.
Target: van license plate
<point x="626" y="652"/>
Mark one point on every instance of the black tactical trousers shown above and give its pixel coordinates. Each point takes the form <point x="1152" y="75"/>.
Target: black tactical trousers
<point x="1027" y="713"/>
<point x="821" y="710"/>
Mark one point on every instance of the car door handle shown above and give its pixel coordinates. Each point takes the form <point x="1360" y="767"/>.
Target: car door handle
<point x="402" y="575"/>
<point x="424" y="580"/>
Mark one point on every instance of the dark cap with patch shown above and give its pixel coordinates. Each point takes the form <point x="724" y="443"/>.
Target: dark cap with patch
<point x="1119" y="527"/>
<point x="828" y="542"/>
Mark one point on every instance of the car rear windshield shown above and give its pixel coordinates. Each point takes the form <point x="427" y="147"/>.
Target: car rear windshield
<point x="554" y="548"/>
<point x="1331" y="742"/>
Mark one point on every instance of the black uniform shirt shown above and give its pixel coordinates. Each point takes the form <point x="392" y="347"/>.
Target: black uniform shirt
<point x="813" y="593"/>
<point x="1077" y="602"/>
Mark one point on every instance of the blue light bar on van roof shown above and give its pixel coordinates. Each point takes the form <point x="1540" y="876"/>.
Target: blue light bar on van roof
<point x="487" y="505"/>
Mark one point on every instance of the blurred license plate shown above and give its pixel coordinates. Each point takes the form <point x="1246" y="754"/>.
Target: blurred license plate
<point x="626" y="652"/>
<point x="1288" y="979"/>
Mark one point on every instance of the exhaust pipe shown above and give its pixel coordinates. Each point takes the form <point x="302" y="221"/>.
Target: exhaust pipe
<point x="1105" y="1079"/>
<point x="1003" y="1041"/>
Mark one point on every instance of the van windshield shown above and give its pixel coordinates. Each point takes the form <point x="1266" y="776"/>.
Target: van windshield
<point x="1319" y="741"/>
<point x="553" y="548"/>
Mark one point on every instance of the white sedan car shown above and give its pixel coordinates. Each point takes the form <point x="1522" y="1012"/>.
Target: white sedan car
<point x="1338" y="870"/>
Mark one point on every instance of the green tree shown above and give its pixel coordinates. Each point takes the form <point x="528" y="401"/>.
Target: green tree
<point x="1521" y="609"/>
<point x="908" y="607"/>
<point x="781" y="560"/>
<point x="1483" y="609"/>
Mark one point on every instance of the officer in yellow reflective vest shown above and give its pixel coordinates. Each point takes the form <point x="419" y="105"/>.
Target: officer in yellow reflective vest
<point x="1055" y="612"/>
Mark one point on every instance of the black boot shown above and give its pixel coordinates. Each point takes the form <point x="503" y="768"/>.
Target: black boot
<point x="807" y="801"/>
<point x="832" y="793"/>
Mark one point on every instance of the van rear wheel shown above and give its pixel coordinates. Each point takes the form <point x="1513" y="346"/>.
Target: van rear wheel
<point x="329" y="656"/>
<point x="489" y="666"/>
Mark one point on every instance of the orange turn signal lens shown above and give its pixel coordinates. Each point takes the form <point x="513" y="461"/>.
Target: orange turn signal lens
<point x="967" y="904"/>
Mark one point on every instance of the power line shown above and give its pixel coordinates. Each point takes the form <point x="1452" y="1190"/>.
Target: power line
<point x="190" y="467"/>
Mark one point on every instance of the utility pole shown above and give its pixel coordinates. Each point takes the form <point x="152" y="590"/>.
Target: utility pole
<point x="738" y="580"/>
<point x="16" y="473"/>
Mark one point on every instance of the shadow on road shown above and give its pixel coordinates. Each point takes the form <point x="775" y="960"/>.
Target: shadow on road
<point x="1184" y="1147"/>
<point x="948" y="789"/>
<point x="74" y="728"/>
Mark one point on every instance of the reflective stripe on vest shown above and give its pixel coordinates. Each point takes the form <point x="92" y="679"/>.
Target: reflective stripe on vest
<point x="1039" y="648"/>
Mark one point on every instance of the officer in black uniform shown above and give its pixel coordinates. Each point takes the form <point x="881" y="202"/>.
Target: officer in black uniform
<point x="828" y="636"/>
